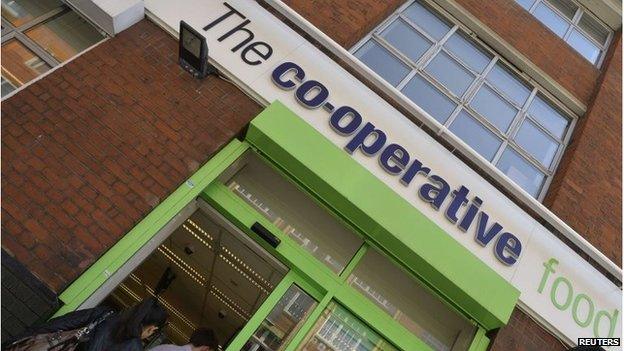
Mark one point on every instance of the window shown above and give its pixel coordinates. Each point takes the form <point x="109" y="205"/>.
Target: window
<point x="285" y="319"/>
<point x="411" y="304"/>
<point x="38" y="35"/>
<point x="583" y="32"/>
<point x="309" y="225"/>
<point x="470" y="90"/>
<point x="338" y="329"/>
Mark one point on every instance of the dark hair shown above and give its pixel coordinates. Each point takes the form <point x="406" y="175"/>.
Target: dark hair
<point x="130" y="322"/>
<point x="204" y="337"/>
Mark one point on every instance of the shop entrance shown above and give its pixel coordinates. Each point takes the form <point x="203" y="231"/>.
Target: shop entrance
<point x="220" y="279"/>
<point x="306" y="280"/>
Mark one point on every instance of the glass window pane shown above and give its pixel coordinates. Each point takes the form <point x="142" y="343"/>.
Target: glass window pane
<point x="7" y="87"/>
<point x="584" y="46"/>
<point x="566" y="7"/>
<point x="65" y="36"/>
<point x="593" y="28"/>
<point x="548" y="117"/>
<point x="521" y="171"/>
<point x="475" y="134"/>
<point x="283" y="322"/>
<point x="337" y="329"/>
<point x="509" y="84"/>
<point x="551" y="20"/>
<point x="450" y="73"/>
<point x="409" y="303"/>
<point x="537" y="143"/>
<point x="406" y="39"/>
<point x="468" y="52"/>
<point x="493" y="107"/>
<point x="425" y="19"/>
<point x="19" y="64"/>
<point x="526" y="3"/>
<point x="429" y="98"/>
<point x="289" y="209"/>
<point x="19" y="12"/>
<point x="382" y="62"/>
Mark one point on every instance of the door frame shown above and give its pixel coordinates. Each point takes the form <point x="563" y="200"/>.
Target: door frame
<point x="308" y="273"/>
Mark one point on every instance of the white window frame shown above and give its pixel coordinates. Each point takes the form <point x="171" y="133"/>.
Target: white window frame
<point x="462" y="102"/>
<point x="574" y="24"/>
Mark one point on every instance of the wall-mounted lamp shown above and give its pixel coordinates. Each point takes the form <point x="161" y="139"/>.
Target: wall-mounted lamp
<point x="193" y="52"/>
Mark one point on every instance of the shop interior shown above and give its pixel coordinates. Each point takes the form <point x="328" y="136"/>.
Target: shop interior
<point x="221" y="279"/>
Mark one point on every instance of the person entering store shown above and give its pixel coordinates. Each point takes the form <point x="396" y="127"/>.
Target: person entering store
<point x="202" y="339"/>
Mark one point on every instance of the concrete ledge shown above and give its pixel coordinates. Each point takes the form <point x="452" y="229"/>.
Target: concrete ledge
<point x="112" y="16"/>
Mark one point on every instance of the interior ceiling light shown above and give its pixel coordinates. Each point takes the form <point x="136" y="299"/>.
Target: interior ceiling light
<point x="222" y="294"/>
<point x="227" y="304"/>
<point x="242" y="263"/>
<point x="201" y="230"/>
<point x="201" y="280"/>
<point x="164" y="302"/>
<point x="197" y="236"/>
<point x="251" y="280"/>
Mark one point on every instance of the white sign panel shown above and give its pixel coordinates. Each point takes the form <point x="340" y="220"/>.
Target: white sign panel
<point x="569" y="295"/>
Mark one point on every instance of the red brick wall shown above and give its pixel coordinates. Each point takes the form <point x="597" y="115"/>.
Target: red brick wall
<point x="89" y="150"/>
<point x="587" y="189"/>
<point x="345" y="21"/>
<point x="522" y="334"/>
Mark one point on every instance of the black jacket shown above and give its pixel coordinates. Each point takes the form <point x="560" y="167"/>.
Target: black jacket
<point x="100" y="338"/>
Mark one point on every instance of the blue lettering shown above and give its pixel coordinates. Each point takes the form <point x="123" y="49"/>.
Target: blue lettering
<point x="337" y="117"/>
<point x="394" y="159"/>
<point x="280" y="71"/>
<point x="466" y="222"/>
<point x="435" y="193"/>
<point x="309" y="88"/>
<point x="484" y="237"/>
<point x="412" y="171"/>
<point x="358" y="140"/>
<point x="459" y="200"/>
<point x="508" y="248"/>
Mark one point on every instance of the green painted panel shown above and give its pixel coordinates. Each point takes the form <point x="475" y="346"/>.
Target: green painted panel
<point x="480" y="341"/>
<point x="127" y="246"/>
<point x="390" y="221"/>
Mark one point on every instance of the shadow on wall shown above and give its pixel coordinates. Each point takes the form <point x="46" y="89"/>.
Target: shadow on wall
<point x="25" y="300"/>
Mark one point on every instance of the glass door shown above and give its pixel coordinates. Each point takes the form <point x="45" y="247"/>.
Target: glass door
<point x="342" y="293"/>
<point x="284" y="320"/>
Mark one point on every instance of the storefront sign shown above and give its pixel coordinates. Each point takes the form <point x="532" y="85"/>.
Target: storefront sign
<point x="396" y="160"/>
<point x="557" y="286"/>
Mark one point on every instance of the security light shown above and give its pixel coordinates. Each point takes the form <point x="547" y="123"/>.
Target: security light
<point x="193" y="52"/>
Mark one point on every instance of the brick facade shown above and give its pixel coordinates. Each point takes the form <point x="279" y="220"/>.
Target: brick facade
<point x="522" y="334"/>
<point x="346" y="22"/>
<point x="586" y="192"/>
<point x="93" y="147"/>
<point x="89" y="150"/>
